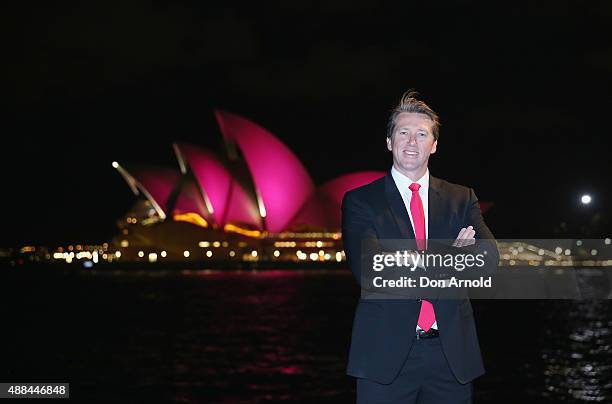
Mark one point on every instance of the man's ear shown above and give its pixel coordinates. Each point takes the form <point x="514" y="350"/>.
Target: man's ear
<point x="389" y="144"/>
<point x="434" y="147"/>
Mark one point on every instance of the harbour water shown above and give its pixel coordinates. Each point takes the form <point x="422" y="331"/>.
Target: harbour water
<point x="264" y="337"/>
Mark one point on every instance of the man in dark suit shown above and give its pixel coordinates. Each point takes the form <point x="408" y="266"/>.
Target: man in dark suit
<point x="413" y="350"/>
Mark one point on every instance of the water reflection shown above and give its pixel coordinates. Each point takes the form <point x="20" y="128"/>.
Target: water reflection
<point x="576" y="352"/>
<point x="268" y="336"/>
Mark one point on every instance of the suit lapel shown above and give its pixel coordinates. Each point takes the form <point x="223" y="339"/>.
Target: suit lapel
<point x="434" y="217"/>
<point x="398" y="208"/>
<point x="434" y="209"/>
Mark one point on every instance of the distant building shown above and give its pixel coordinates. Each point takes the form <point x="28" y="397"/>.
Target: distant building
<point x="257" y="202"/>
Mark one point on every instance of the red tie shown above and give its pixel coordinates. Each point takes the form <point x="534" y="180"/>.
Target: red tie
<point x="427" y="316"/>
<point x="418" y="216"/>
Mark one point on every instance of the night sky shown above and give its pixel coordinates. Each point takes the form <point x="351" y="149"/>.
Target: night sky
<point x="522" y="88"/>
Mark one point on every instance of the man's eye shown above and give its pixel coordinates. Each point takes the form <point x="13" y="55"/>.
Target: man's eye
<point x="422" y="134"/>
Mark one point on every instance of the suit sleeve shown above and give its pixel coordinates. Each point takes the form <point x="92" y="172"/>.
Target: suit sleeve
<point x="357" y="226"/>
<point x="485" y="241"/>
<point x="361" y="243"/>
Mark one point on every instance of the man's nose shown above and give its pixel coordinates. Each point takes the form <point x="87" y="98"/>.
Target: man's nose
<point x="412" y="139"/>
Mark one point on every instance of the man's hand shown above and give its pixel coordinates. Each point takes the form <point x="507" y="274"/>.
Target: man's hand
<point x="465" y="237"/>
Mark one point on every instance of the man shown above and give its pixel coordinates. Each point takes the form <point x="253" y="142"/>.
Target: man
<point x="413" y="350"/>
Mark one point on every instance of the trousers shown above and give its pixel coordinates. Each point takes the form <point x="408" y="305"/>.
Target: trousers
<point x="425" y="378"/>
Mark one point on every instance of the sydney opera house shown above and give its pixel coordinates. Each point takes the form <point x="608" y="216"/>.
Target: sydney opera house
<point x="255" y="202"/>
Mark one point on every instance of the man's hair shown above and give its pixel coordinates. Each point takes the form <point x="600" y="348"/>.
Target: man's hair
<point x="409" y="103"/>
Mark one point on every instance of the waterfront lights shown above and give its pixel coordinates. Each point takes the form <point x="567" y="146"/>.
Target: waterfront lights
<point x="152" y="257"/>
<point x="115" y="164"/>
<point x="186" y="254"/>
<point x="118" y="254"/>
<point x="163" y="254"/>
<point x="585" y="199"/>
<point x="276" y="253"/>
<point x="141" y="254"/>
<point x="209" y="253"/>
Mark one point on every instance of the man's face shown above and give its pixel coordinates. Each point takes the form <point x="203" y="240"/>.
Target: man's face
<point x="411" y="144"/>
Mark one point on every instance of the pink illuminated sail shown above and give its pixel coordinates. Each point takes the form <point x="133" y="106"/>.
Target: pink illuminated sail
<point x="281" y="181"/>
<point x="157" y="184"/>
<point x="323" y="209"/>
<point x="189" y="200"/>
<point x="227" y="200"/>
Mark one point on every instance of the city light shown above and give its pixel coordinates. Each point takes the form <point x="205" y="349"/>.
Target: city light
<point x="585" y="199"/>
<point x="191" y="217"/>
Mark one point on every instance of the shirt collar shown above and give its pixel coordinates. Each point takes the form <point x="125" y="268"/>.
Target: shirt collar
<point x="404" y="182"/>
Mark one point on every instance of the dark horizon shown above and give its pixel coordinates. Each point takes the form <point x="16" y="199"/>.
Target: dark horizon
<point x="521" y="90"/>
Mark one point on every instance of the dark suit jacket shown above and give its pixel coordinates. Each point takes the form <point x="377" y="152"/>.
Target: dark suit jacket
<point x="383" y="330"/>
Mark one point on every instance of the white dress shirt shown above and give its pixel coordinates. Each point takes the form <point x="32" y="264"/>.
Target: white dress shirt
<point x="403" y="183"/>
